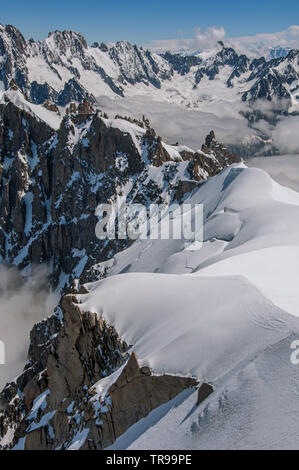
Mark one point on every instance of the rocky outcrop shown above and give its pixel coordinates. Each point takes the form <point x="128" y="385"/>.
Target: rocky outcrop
<point x="137" y="392"/>
<point x="138" y="65"/>
<point x="73" y="91"/>
<point x="180" y="63"/>
<point x="204" y="391"/>
<point x="215" y="155"/>
<point x="61" y="399"/>
<point x="51" y="107"/>
<point x="185" y="187"/>
<point x="212" y="158"/>
<point x="17" y="397"/>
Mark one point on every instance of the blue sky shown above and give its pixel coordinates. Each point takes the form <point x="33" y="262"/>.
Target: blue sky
<point x="143" y="21"/>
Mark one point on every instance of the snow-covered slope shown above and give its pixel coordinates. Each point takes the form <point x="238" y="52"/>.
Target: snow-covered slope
<point x="130" y="348"/>
<point x="253" y="233"/>
<point x="255" y="408"/>
<point x="227" y="316"/>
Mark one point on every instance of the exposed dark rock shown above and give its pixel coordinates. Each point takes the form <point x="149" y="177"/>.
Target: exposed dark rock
<point x="73" y="91"/>
<point x="103" y="47"/>
<point x="86" y="349"/>
<point x="51" y="107"/>
<point x="209" y="139"/>
<point x="137" y="65"/>
<point x="185" y="187"/>
<point x="182" y="64"/>
<point x="42" y="92"/>
<point x="85" y="107"/>
<point x="204" y="392"/>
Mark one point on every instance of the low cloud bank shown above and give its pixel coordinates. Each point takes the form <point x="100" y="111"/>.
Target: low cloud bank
<point x="205" y="40"/>
<point x="190" y="126"/>
<point x="286" y="136"/>
<point x="179" y="124"/>
<point x="284" y="169"/>
<point x="23" y="302"/>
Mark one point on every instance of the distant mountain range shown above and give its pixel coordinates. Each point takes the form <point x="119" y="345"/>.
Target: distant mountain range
<point x="64" y="68"/>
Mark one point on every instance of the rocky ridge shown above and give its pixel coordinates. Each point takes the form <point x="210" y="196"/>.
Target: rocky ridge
<point x="61" y="400"/>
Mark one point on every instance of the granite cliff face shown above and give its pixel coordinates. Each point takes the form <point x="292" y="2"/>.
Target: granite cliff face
<point x="59" y="402"/>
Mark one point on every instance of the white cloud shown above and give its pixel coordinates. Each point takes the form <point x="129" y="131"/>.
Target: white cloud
<point x="177" y="123"/>
<point x="208" y="39"/>
<point x="283" y="169"/>
<point x="23" y="302"/>
<point x="286" y="136"/>
<point x="202" y="41"/>
<point x="294" y="30"/>
<point x="255" y="45"/>
<point x="261" y="43"/>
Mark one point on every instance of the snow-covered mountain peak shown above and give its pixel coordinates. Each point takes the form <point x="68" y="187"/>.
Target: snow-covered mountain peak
<point x="44" y="69"/>
<point x="67" y="43"/>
